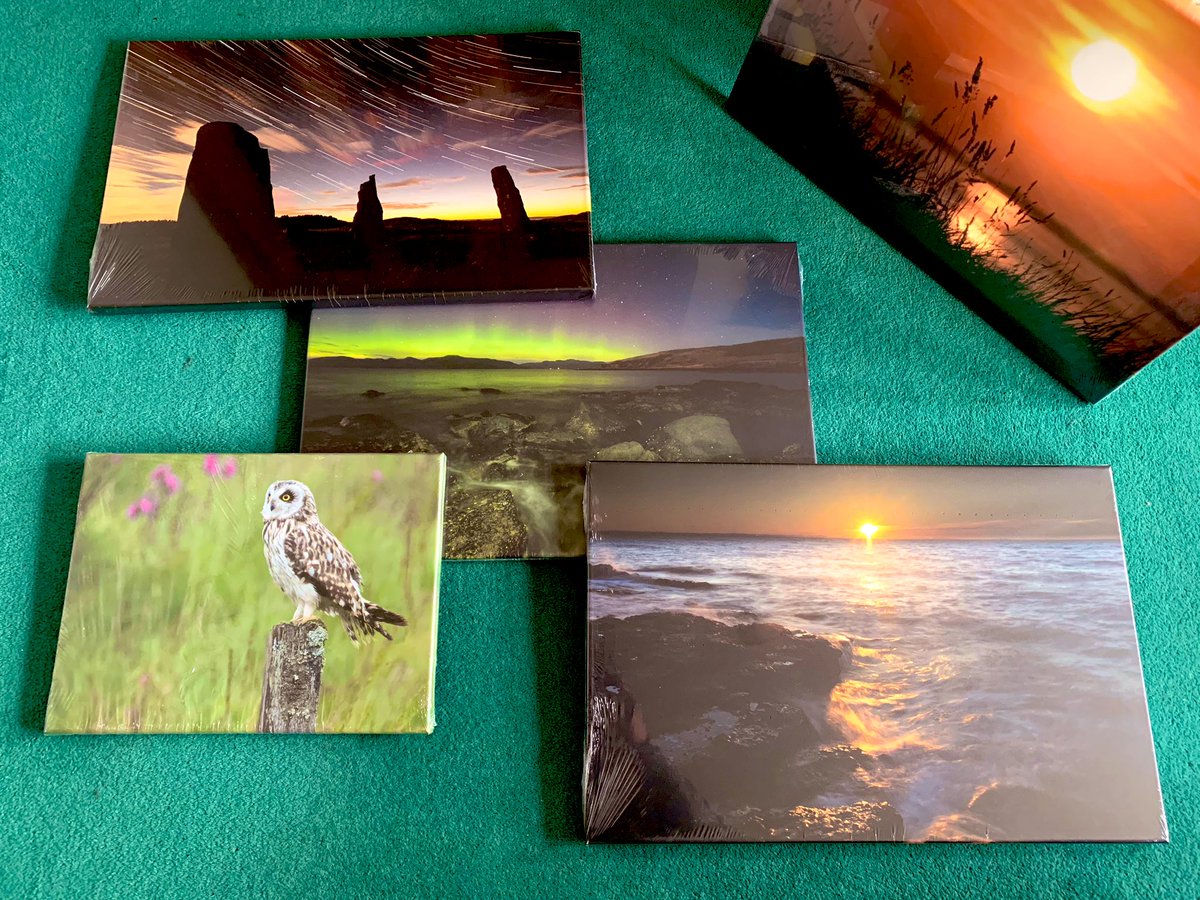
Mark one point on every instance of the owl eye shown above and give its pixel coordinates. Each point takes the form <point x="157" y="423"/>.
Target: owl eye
<point x="286" y="496"/>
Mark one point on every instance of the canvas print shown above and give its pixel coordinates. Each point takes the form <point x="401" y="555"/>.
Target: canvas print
<point x="688" y="351"/>
<point x="269" y="593"/>
<point x="1037" y="159"/>
<point x="347" y="171"/>
<point x="848" y="653"/>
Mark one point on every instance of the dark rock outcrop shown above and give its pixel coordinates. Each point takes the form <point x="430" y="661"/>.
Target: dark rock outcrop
<point x="226" y="231"/>
<point x="680" y="667"/>
<point x="368" y="216"/>
<point x="487" y="435"/>
<point x="483" y="523"/>
<point x="513" y="217"/>
<point x="704" y="727"/>
<point x="505" y="467"/>
<point x="367" y="433"/>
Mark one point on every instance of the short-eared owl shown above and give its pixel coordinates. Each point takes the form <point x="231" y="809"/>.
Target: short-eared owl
<point x="312" y="567"/>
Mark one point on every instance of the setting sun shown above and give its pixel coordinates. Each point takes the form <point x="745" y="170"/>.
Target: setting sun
<point x="1104" y="71"/>
<point x="868" y="530"/>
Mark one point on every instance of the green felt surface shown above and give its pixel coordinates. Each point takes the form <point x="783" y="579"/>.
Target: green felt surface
<point x="489" y="805"/>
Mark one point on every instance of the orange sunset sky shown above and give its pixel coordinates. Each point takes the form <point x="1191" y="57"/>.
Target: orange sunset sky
<point x="906" y="502"/>
<point x="1120" y="175"/>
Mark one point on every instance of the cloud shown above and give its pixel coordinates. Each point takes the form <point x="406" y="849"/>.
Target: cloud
<point x="185" y="133"/>
<point x="409" y="205"/>
<point x="418" y="181"/>
<point x="551" y="130"/>
<point x="542" y="170"/>
<point x="143" y="185"/>
<point x="274" y="139"/>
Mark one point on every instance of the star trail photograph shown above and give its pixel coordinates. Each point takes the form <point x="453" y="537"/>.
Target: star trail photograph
<point x="347" y="171"/>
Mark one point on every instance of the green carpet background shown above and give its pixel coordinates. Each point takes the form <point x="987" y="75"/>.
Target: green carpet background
<point x="489" y="805"/>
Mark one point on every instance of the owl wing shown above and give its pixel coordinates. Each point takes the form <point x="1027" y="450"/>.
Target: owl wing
<point x="319" y="558"/>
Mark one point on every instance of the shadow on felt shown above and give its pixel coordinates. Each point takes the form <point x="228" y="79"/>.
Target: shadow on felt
<point x="69" y="273"/>
<point x="292" y="370"/>
<point x="56" y="528"/>
<point x="558" y="612"/>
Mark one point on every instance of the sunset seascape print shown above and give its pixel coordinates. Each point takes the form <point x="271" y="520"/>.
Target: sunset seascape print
<point x="1037" y="159"/>
<point x="790" y="653"/>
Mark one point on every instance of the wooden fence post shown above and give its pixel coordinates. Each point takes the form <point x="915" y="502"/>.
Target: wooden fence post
<point x="292" y="678"/>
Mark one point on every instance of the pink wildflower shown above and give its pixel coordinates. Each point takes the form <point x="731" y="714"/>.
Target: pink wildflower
<point x="132" y="512"/>
<point x="165" y="476"/>
<point x="147" y="506"/>
<point x="229" y="469"/>
<point x="212" y="465"/>
<point x="377" y="476"/>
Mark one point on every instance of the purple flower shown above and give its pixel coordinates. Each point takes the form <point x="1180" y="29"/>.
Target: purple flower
<point x="147" y="506"/>
<point x="212" y="465"/>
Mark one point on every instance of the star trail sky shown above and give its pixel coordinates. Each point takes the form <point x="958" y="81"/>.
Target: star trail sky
<point x="429" y="117"/>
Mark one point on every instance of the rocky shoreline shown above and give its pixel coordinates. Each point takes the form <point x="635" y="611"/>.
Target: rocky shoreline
<point x="701" y="730"/>
<point x="519" y="457"/>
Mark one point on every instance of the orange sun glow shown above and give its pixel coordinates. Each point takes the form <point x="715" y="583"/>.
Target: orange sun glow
<point x="1104" y="71"/>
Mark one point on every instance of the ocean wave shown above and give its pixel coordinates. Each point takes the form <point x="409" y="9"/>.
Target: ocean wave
<point x="603" y="571"/>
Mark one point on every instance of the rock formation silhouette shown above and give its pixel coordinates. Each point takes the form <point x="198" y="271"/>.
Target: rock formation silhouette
<point x="368" y="217"/>
<point x="513" y="217"/>
<point x="226" y="232"/>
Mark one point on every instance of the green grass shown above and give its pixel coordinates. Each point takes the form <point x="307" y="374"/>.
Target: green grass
<point x="167" y="615"/>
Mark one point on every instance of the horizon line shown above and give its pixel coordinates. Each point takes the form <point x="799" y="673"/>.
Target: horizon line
<point x="862" y="540"/>
<point x="321" y="354"/>
<point x="350" y="221"/>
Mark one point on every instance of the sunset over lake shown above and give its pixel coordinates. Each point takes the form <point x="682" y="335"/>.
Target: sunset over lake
<point x="1037" y="159"/>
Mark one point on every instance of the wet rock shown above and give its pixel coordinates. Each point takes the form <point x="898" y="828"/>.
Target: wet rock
<point x="368" y="216"/>
<point x="699" y="437"/>
<point x="590" y="423"/>
<point x="483" y="523"/>
<point x="627" y="450"/>
<point x="504" y="468"/>
<point x="680" y="667"/>
<point x="862" y="821"/>
<point x="226" y="228"/>
<point x="488" y="435"/>
<point x="366" y="433"/>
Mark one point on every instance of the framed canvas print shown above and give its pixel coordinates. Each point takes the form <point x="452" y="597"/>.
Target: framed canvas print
<point x="347" y="172"/>
<point x="847" y="653"/>
<point x="271" y="593"/>
<point x="1037" y="159"/>
<point x="687" y="352"/>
